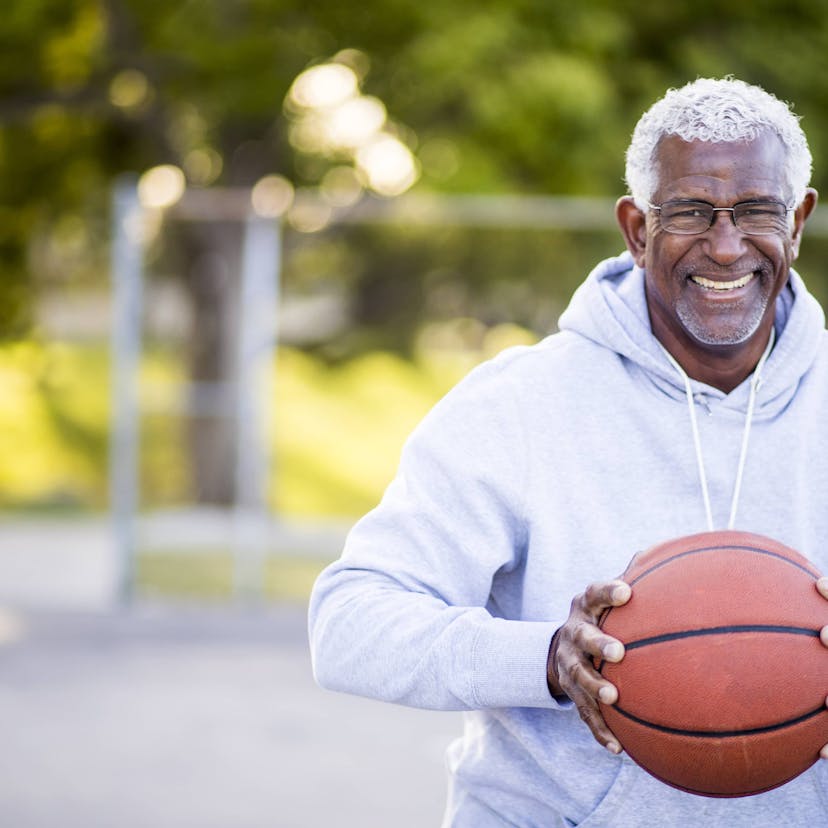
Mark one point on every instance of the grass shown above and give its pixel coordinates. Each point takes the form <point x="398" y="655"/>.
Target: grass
<point x="209" y="576"/>
<point x="335" y="431"/>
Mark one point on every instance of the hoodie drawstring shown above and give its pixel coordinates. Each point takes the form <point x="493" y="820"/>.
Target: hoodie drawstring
<point x="737" y="486"/>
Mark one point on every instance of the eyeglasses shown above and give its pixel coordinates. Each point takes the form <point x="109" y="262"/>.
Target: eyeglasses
<point x="756" y="218"/>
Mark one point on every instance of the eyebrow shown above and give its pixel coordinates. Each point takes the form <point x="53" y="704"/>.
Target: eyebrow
<point x="751" y="200"/>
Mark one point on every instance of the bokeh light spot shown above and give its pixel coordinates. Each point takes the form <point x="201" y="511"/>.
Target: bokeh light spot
<point x="203" y="165"/>
<point x="388" y="166"/>
<point x="129" y="89"/>
<point x="341" y="186"/>
<point x="326" y="85"/>
<point x="272" y="196"/>
<point x="161" y="186"/>
<point x="309" y="214"/>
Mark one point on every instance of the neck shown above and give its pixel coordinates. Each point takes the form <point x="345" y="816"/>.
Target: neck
<point x="723" y="367"/>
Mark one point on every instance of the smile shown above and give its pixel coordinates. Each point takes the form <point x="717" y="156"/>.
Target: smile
<point x="711" y="285"/>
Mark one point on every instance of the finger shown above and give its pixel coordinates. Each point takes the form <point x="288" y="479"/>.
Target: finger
<point x="602" y="595"/>
<point x="608" y="694"/>
<point x="823" y="635"/>
<point x="591" y="716"/>
<point x="822" y="586"/>
<point x="587" y="638"/>
<point x="578" y="676"/>
<point x="584" y="686"/>
<point x="612" y="650"/>
<point x="621" y="593"/>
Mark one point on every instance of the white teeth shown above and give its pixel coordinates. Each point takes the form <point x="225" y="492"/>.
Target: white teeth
<point x="709" y="283"/>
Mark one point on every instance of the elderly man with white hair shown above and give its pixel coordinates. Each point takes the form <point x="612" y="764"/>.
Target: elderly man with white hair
<point x="545" y="470"/>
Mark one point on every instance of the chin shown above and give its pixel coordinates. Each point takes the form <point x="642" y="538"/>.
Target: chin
<point x="722" y="333"/>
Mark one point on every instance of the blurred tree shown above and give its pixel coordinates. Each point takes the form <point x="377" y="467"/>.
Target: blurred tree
<point x="501" y="96"/>
<point x="505" y="96"/>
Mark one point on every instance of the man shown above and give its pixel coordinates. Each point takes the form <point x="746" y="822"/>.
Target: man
<point x="550" y="466"/>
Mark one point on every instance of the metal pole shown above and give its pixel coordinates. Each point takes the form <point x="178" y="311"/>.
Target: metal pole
<point x="257" y="334"/>
<point x="126" y="262"/>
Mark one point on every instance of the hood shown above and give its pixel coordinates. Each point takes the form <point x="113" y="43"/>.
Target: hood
<point x="610" y="309"/>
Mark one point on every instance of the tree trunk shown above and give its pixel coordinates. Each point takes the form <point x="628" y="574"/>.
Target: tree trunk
<point x="212" y="281"/>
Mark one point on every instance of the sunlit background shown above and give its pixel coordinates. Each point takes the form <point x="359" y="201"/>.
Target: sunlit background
<point x="245" y="245"/>
<point x="407" y="158"/>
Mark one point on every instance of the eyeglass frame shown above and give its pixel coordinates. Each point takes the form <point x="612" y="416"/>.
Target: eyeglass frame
<point x="731" y="210"/>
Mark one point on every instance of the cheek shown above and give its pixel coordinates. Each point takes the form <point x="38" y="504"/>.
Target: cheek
<point x="664" y="251"/>
<point x="780" y="255"/>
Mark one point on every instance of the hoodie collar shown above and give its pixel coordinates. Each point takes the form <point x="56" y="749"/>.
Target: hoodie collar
<point x="610" y="309"/>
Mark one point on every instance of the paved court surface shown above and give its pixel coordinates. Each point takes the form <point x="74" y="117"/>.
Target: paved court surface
<point x="197" y="717"/>
<point x="73" y="563"/>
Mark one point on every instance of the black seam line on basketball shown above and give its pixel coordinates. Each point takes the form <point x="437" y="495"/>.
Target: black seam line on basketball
<point x="727" y="629"/>
<point x="721" y="734"/>
<point x="715" y="549"/>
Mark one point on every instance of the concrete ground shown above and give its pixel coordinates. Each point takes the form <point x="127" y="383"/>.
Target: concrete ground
<point x="187" y="716"/>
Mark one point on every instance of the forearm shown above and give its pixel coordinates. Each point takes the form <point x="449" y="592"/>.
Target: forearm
<point x="371" y="637"/>
<point x="403" y="615"/>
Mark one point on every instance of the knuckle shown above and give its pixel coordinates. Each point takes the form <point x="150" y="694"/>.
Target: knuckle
<point x="578" y="602"/>
<point x="587" y="714"/>
<point x="561" y="664"/>
<point x="591" y="593"/>
<point x="578" y="631"/>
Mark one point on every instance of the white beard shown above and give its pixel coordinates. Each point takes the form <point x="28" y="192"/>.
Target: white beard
<point x="708" y="334"/>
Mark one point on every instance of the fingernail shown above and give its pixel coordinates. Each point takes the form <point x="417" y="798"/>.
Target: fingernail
<point x="614" y="747"/>
<point x="824" y="752"/>
<point x="613" y="652"/>
<point x="620" y="594"/>
<point x="607" y="695"/>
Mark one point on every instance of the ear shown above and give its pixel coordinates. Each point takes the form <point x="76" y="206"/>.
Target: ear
<point x="800" y="216"/>
<point x="633" y="224"/>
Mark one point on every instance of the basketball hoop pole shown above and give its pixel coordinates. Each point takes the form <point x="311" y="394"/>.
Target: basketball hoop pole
<point x="256" y="340"/>
<point x="127" y="266"/>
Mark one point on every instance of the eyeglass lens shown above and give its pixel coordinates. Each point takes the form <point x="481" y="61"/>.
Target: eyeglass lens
<point x="756" y="217"/>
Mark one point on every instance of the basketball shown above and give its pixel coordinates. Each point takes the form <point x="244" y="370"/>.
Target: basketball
<point x="722" y="688"/>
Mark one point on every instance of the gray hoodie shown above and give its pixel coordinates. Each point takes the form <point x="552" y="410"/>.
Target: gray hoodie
<point x="547" y="468"/>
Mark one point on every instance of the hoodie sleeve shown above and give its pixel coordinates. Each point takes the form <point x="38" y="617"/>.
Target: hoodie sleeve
<point x="402" y="616"/>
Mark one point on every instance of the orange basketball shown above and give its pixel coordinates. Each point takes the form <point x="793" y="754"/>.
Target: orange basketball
<point x="722" y="688"/>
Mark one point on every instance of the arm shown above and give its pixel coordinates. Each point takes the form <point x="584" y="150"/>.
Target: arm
<point x="407" y="614"/>
<point x="570" y="667"/>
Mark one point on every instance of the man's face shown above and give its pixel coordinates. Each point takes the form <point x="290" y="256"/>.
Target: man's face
<point x="715" y="290"/>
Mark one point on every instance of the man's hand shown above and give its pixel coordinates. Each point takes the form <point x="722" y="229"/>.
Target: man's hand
<point x="569" y="666"/>
<point x="822" y="587"/>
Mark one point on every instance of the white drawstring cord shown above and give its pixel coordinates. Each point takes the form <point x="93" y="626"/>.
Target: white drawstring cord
<point x="755" y="380"/>
<point x="688" y="392"/>
<point x="737" y="486"/>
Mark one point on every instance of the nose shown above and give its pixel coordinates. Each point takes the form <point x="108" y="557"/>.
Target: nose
<point x="725" y="242"/>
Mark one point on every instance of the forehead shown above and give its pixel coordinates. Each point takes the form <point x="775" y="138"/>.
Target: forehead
<point x="721" y="172"/>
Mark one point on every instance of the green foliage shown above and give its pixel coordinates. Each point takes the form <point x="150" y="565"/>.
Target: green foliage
<point x="399" y="278"/>
<point x="510" y="95"/>
<point x="53" y="426"/>
<point x="506" y="96"/>
<point x="337" y="430"/>
<point x="209" y="575"/>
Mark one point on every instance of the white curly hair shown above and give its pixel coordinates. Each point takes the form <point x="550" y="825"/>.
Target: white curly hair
<point x="716" y="110"/>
